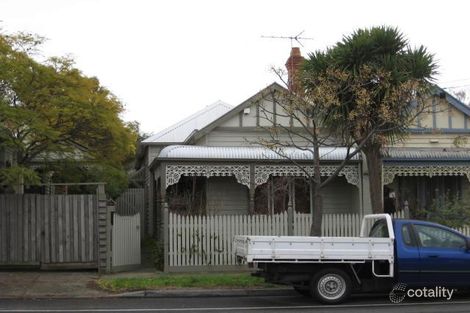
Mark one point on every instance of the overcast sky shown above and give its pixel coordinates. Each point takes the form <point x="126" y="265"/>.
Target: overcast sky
<point x="168" y="59"/>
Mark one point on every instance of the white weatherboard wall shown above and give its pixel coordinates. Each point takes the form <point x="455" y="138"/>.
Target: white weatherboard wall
<point x="226" y="196"/>
<point x="126" y="241"/>
<point x="340" y="197"/>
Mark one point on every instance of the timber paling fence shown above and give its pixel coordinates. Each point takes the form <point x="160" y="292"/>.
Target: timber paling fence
<point x="42" y="230"/>
<point x="202" y="241"/>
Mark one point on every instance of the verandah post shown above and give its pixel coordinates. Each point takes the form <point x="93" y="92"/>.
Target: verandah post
<point x="290" y="211"/>
<point x="252" y="190"/>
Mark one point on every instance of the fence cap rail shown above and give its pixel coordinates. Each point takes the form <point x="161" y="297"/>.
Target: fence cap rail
<point x="71" y="184"/>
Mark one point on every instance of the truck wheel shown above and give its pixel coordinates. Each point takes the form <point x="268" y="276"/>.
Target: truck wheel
<point x="331" y="286"/>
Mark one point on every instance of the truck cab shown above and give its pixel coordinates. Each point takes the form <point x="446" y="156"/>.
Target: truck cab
<point x="429" y="254"/>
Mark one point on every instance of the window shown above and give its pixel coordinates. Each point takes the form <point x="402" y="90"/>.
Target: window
<point x="435" y="237"/>
<point x="379" y="230"/>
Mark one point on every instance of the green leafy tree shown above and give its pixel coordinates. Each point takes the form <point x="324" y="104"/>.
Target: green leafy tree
<point x="16" y="175"/>
<point x="383" y="85"/>
<point x="50" y="111"/>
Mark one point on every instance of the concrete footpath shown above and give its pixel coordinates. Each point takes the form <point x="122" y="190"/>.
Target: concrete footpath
<point x="81" y="284"/>
<point x="32" y="284"/>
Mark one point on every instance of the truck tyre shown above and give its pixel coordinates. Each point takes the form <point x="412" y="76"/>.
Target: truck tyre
<point x="331" y="286"/>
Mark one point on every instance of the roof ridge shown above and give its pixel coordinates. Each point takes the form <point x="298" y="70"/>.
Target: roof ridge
<point x="188" y="119"/>
<point x="238" y="107"/>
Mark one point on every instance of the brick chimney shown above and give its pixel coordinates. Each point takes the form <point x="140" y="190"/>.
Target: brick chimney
<point x="293" y="64"/>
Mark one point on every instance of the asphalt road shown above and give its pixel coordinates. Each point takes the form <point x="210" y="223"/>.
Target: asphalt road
<point x="259" y="304"/>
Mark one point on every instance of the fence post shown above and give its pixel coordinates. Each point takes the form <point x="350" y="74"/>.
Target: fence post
<point x="166" y="221"/>
<point x="104" y="228"/>
<point x="406" y="209"/>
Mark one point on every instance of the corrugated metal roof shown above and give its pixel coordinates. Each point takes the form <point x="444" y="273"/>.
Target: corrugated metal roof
<point x="431" y="154"/>
<point x="180" y="131"/>
<point x="248" y="153"/>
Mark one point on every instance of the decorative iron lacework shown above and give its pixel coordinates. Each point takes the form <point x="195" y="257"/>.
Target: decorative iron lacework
<point x="241" y="172"/>
<point x="389" y="171"/>
<point x="262" y="172"/>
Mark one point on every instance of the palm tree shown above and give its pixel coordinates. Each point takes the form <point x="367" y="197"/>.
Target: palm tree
<point x="383" y="85"/>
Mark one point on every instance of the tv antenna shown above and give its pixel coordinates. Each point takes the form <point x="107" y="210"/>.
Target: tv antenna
<point x="296" y="38"/>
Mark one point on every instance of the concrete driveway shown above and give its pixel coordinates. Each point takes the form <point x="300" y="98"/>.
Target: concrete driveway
<point x="31" y="284"/>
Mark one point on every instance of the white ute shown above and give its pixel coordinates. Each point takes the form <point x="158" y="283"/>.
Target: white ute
<point x="286" y="251"/>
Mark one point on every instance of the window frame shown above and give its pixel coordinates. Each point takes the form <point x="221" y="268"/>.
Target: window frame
<point x="420" y="244"/>
<point x="413" y="237"/>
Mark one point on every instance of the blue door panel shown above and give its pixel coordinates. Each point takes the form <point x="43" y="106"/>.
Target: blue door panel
<point x="438" y="265"/>
<point x="408" y="256"/>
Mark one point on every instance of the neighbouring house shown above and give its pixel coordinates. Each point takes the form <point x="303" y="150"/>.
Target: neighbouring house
<point x="43" y="165"/>
<point x="433" y="162"/>
<point x="150" y="148"/>
<point x="6" y="157"/>
<point x="211" y="164"/>
<point x="6" y="160"/>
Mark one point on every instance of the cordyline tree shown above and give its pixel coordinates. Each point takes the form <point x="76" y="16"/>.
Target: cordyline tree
<point x="50" y="113"/>
<point x="383" y="85"/>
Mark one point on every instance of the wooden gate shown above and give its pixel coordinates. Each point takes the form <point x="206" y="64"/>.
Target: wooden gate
<point x="130" y="202"/>
<point x="49" y="231"/>
<point x="126" y="242"/>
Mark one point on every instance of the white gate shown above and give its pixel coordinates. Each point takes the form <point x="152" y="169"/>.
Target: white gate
<point x="126" y="242"/>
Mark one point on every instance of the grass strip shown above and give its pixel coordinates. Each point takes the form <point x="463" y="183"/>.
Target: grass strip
<point x="175" y="281"/>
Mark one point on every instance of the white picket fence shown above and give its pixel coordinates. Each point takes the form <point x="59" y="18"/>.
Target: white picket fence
<point x="464" y="230"/>
<point x="207" y="240"/>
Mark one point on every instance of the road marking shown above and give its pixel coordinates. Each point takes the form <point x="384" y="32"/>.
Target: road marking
<point x="240" y="308"/>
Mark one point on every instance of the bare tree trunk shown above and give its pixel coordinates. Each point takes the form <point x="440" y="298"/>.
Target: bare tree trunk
<point x="315" y="185"/>
<point x="374" y="165"/>
<point x="315" y="229"/>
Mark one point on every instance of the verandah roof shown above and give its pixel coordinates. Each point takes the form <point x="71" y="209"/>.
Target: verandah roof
<point x="183" y="152"/>
<point x="225" y="161"/>
<point x="426" y="154"/>
<point x="428" y="162"/>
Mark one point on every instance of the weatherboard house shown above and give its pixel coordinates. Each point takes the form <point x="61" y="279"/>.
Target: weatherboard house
<point x="211" y="163"/>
